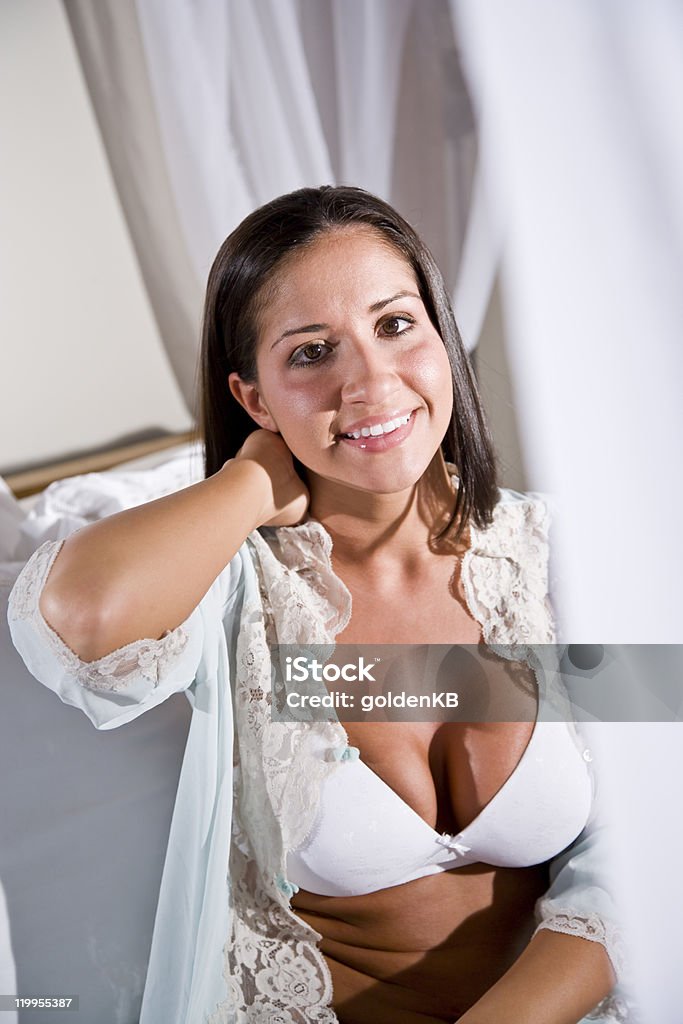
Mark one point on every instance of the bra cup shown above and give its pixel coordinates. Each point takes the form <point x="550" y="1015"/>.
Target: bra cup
<point x="542" y="807"/>
<point x="367" y="838"/>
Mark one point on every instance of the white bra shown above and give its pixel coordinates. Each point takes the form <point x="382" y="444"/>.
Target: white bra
<point x="367" y="838"/>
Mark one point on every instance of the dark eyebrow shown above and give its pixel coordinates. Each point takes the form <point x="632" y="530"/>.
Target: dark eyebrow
<point x="308" y="329"/>
<point x="314" y="328"/>
<point x="376" y="306"/>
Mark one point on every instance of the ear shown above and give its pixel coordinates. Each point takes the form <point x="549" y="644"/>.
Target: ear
<point x="249" y="398"/>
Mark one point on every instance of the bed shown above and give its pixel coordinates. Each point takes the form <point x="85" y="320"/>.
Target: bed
<point x="84" y="815"/>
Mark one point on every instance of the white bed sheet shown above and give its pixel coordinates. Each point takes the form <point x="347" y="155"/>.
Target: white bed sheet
<point x="84" y="815"/>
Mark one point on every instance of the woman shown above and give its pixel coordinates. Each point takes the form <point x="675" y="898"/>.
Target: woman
<point x="335" y="396"/>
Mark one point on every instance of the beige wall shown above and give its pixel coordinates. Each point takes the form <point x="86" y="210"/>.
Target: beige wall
<point x="82" y="363"/>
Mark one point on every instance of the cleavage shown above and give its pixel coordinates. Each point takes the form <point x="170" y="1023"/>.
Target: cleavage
<point x="447" y="773"/>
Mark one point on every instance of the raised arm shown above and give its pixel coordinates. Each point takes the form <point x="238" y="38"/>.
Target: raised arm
<point x="141" y="572"/>
<point x="117" y="617"/>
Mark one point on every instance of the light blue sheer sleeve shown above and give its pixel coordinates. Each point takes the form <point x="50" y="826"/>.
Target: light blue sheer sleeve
<point x="185" y="980"/>
<point x="121" y="685"/>
<point x="581" y="901"/>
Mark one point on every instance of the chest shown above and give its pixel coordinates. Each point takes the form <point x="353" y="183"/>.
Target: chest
<point x="447" y="774"/>
<point x="428" y="608"/>
<point x="445" y="771"/>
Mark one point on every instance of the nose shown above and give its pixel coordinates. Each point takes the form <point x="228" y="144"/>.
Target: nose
<point x="370" y="376"/>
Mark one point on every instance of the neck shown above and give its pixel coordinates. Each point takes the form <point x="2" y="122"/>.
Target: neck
<point x="400" y="527"/>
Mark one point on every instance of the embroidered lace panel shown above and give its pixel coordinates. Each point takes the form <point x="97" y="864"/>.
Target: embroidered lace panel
<point x="112" y="672"/>
<point x="274" y="969"/>
<point x="505" y="575"/>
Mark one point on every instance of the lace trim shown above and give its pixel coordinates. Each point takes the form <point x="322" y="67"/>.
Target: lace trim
<point x="110" y="673"/>
<point x="301" y="569"/>
<point x="570" y="921"/>
<point x="613" y="1010"/>
<point x="313" y="606"/>
<point x="505" y="574"/>
<point x="273" y="965"/>
<point x="588" y="926"/>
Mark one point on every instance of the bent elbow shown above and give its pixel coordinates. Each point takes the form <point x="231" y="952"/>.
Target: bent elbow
<point x="77" y="623"/>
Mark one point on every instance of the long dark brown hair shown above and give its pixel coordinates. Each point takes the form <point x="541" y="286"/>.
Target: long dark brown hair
<point x="246" y="264"/>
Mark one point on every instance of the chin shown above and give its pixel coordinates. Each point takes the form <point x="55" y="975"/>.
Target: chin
<point x="377" y="474"/>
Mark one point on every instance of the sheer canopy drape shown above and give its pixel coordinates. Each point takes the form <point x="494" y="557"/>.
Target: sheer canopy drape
<point x="210" y="108"/>
<point x="579" y="108"/>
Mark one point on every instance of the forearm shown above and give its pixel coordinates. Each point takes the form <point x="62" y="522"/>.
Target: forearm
<point x="141" y="572"/>
<point x="558" y="979"/>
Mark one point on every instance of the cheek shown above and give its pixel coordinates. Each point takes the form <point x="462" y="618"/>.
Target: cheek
<point x="288" y="394"/>
<point x="430" y="372"/>
<point x="299" y="404"/>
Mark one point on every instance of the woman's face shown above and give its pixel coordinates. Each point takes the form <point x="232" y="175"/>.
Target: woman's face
<point x="350" y="369"/>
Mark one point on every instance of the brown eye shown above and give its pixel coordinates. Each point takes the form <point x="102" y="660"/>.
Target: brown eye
<point x="396" y="325"/>
<point x="309" y="355"/>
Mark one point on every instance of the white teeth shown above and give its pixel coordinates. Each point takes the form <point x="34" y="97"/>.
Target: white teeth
<point x="379" y="428"/>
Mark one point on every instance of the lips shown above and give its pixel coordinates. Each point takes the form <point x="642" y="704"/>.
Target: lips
<point x="380" y="441"/>
<point x="377" y="426"/>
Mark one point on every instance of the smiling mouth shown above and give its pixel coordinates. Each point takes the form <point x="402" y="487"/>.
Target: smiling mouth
<point x="376" y="438"/>
<point x="379" y="429"/>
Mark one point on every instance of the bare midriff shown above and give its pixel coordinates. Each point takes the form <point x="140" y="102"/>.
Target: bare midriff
<point x="426" y="950"/>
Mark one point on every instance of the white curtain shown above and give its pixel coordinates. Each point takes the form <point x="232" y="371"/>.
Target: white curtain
<point x="580" y="106"/>
<point x="186" y="57"/>
<point x="368" y="50"/>
<point x="108" y="42"/>
<point x="209" y="108"/>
